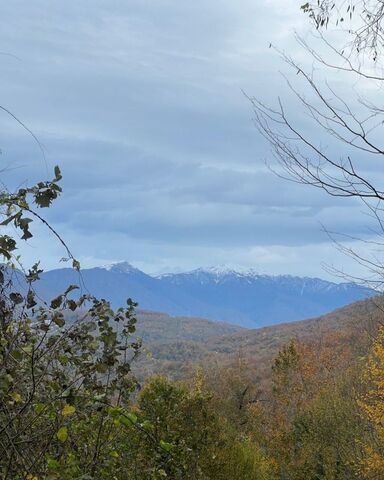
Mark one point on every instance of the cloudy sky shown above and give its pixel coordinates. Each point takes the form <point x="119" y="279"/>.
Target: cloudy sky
<point x="141" y="104"/>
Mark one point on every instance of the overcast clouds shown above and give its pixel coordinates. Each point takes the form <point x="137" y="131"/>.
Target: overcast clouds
<point x="141" y="104"/>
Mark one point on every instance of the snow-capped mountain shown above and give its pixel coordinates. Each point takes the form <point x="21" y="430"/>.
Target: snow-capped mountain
<point x="222" y="275"/>
<point x="120" y="267"/>
<point x="246" y="298"/>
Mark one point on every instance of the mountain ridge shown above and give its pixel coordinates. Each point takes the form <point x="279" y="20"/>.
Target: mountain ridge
<point x="242" y="298"/>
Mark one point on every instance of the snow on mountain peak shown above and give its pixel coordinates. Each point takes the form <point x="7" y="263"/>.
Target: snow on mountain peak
<point x="219" y="270"/>
<point x="221" y="274"/>
<point x="121" y="267"/>
<point x="224" y="271"/>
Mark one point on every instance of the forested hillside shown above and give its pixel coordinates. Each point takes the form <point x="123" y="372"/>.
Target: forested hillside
<point x="176" y="346"/>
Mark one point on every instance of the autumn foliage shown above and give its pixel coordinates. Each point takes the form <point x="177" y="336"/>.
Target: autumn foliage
<point x="71" y="407"/>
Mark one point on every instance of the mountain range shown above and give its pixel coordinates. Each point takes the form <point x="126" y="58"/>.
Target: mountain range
<point x="247" y="298"/>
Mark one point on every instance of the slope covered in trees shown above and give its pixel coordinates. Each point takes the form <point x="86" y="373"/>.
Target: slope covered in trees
<point x="177" y="344"/>
<point x="304" y="399"/>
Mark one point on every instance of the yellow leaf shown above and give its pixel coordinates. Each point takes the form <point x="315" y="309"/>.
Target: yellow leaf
<point x="68" y="410"/>
<point x="62" y="434"/>
<point x="16" y="397"/>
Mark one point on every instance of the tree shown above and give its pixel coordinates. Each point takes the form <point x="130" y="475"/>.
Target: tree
<point x="199" y="443"/>
<point x="340" y="143"/>
<point x="314" y="422"/>
<point x="234" y="389"/>
<point x="365" y="22"/>
<point x="372" y="404"/>
<point x="65" y="366"/>
<point x="337" y="154"/>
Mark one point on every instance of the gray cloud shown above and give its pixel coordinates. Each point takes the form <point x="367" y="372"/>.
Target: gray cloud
<point x="141" y="104"/>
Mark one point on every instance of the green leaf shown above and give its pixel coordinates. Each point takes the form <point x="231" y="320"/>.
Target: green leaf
<point x="31" y="302"/>
<point x="70" y="288"/>
<point x="7" y="220"/>
<point x="58" y="175"/>
<point x="132" y="417"/>
<point x="58" y="319"/>
<point x="56" y="302"/>
<point x="52" y="463"/>
<point x="44" y="199"/>
<point x="26" y="235"/>
<point x="63" y="359"/>
<point x="72" y="305"/>
<point x="147" y="425"/>
<point x="114" y="411"/>
<point x="62" y="434"/>
<point x="39" y="407"/>
<point x="100" y="397"/>
<point x="128" y="419"/>
<point x="17" y="355"/>
<point x="7" y="245"/>
<point x="24" y="225"/>
<point x="166" y="446"/>
<point x="16" y="298"/>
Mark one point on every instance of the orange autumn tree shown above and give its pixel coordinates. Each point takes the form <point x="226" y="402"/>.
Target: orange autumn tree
<point x="314" y="413"/>
<point x="372" y="405"/>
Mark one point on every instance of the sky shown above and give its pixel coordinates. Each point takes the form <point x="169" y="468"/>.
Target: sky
<point x="141" y="104"/>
